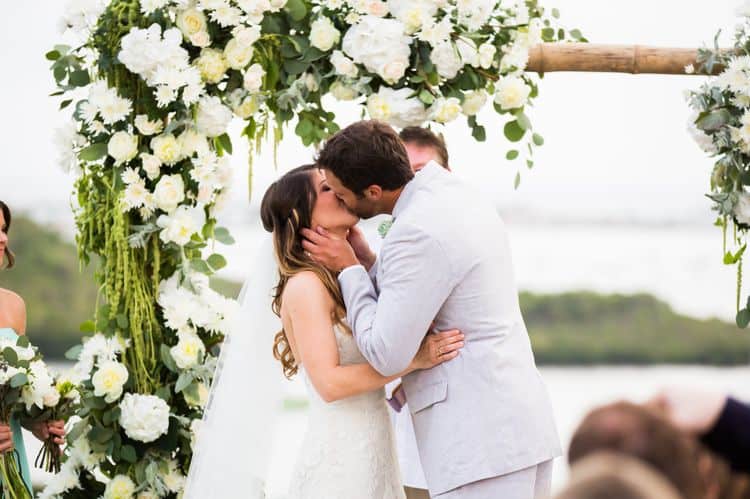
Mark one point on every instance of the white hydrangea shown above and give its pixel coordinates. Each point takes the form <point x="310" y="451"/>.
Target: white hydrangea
<point x="447" y="60"/>
<point x="213" y="117"/>
<point x="144" y="418"/>
<point x="180" y="226"/>
<point x="109" y="380"/>
<point x="436" y="33"/>
<point x="397" y="107"/>
<point x="413" y="13"/>
<point x="474" y="13"/>
<point x="143" y="51"/>
<point x="704" y="141"/>
<point x="378" y="44"/>
<point x="65" y="480"/>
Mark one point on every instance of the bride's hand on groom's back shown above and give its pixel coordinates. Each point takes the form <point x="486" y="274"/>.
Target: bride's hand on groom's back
<point x="438" y="348"/>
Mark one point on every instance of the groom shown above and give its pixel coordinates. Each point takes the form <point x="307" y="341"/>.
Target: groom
<point x="483" y="421"/>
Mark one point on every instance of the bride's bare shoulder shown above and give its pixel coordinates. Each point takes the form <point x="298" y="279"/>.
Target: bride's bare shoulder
<point x="305" y="286"/>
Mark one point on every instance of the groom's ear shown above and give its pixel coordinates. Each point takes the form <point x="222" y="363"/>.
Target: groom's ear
<point x="373" y="193"/>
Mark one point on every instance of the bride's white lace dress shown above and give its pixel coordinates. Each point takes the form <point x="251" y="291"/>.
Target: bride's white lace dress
<point x="348" y="451"/>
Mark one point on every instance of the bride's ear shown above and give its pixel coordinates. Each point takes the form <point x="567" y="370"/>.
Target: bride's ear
<point x="374" y="193"/>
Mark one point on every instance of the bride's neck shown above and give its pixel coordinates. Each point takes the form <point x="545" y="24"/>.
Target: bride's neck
<point x="339" y="232"/>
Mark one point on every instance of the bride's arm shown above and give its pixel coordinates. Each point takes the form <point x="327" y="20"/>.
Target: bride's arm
<point x="309" y="308"/>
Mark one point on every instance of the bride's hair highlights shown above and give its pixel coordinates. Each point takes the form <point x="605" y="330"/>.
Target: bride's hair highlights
<point x="287" y="208"/>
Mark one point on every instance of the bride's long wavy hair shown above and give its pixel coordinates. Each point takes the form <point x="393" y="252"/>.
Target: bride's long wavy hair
<point x="287" y="208"/>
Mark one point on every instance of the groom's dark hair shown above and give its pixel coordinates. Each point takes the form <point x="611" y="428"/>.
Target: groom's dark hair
<point x="364" y="154"/>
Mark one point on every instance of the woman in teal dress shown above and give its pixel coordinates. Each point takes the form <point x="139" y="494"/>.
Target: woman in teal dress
<point x="12" y="324"/>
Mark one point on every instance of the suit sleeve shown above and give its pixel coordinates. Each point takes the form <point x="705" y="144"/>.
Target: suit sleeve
<point x="730" y="436"/>
<point x="415" y="280"/>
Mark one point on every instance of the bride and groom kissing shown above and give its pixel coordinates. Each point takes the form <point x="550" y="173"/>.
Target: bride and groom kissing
<point x="438" y="308"/>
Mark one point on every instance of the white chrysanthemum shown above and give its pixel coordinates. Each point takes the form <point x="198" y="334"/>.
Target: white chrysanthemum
<point x="123" y="147"/>
<point x="188" y="352"/>
<point x="352" y="18"/>
<point x="144" y="417"/>
<point x="130" y="176"/>
<point x="237" y="55"/>
<point x="323" y="34"/>
<point x="512" y="93"/>
<point x="88" y="111"/>
<point x="169" y="192"/>
<point x="447" y="60"/>
<point x="151" y="6"/>
<point x="114" y="108"/>
<point x="180" y="226"/>
<point x="151" y="165"/>
<point x="176" y="303"/>
<point x="65" y="480"/>
<point x="120" y="487"/>
<point x="96" y="127"/>
<point x="474" y="102"/>
<point x="135" y="195"/>
<point x="253" y="79"/>
<point x="378" y="43"/>
<point x="109" y="380"/>
<point x="166" y="148"/>
<point x="397" y="107"/>
<point x="147" y="127"/>
<point x="343" y="65"/>
<point x="213" y="117"/>
<point x="191" y="21"/>
<point x="68" y="140"/>
<point x="226" y="16"/>
<point x="413" y="13"/>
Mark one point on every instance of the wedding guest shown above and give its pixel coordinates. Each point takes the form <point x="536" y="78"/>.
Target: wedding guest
<point x="642" y="433"/>
<point x="721" y="422"/>
<point x="13" y="324"/>
<point x="606" y="475"/>
<point x="422" y="146"/>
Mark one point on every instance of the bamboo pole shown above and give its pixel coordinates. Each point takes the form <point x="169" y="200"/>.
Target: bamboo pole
<point x="633" y="59"/>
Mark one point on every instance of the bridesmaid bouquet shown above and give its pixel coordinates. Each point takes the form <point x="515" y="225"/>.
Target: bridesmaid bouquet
<point x="24" y="382"/>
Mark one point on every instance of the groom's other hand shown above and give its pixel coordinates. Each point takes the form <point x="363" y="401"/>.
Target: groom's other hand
<point x="361" y="249"/>
<point x="332" y="252"/>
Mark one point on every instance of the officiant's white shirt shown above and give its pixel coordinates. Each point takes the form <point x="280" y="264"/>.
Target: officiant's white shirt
<point x="403" y="426"/>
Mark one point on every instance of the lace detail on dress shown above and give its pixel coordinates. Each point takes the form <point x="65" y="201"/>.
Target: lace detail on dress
<point x="349" y="450"/>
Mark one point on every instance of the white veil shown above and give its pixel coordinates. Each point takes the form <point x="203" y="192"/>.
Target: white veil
<point x="232" y="451"/>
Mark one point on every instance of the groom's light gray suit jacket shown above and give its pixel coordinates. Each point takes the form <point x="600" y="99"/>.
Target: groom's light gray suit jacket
<point x="447" y="259"/>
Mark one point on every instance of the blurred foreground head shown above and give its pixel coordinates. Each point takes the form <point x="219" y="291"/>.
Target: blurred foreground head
<point x="642" y="433"/>
<point x="422" y="146"/>
<point x="606" y="475"/>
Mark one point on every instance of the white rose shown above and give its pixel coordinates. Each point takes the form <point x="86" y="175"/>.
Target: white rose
<point x="169" y="192"/>
<point x="51" y="398"/>
<point x="445" y="110"/>
<point x="166" y="148"/>
<point x="512" y="93"/>
<point x="474" y="102"/>
<point x="191" y="22"/>
<point x="446" y="59"/>
<point x="120" y="487"/>
<point x="253" y="79"/>
<point x="144" y="417"/>
<point x="474" y="13"/>
<point x="122" y="147"/>
<point x="188" y="352"/>
<point x="151" y="165"/>
<point x="742" y="209"/>
<point x="343" y="65"/>
<point x="414" y="13"/>
<point x="192" y="142"/>
<point x="277" y="5"/>
<point x="437" y="33"/>
<point x="487" y="53"/>
<point x="397" y="107"/>
<point x="212" y="65"/>
<point x="342" y="92"/>
<point x="323" y="34"/>
<point x="201" y="39"/>
<point x="147" y="127"/>
<point x="109" y="380"/>
<point x="237" y="55"/>
<point x="213" y="117"/>
<point x="247" y="36"/>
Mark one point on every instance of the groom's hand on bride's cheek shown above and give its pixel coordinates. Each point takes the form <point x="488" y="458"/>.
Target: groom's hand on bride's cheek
<point x="332" y="252"/>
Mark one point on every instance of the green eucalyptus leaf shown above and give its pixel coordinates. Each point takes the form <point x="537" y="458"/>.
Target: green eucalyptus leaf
<point x="513" y="131"/>
<point x="743" y="318"/>
<point x="512" y="154"/>
<point x="93" y="152"/>
<point x="222" y="235"/>
<point x="216" y="261"/>
<point x="19" y="379"/>
<point x="10" y="356"/>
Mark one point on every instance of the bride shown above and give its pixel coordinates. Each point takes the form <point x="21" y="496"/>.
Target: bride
<point x="348" y="450"/>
